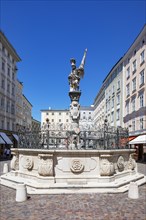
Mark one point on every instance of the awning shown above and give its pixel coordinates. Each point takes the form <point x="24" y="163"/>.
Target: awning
<point x="5" y="138"/>
<point x="1" y="141"/>
<point x="141" y="139"/>
<point x="16" y="137"/>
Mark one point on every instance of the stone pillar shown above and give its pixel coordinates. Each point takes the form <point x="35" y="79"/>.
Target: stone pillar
<point x="5" y="168"/>
<point x="75" y="117"/>
<point x="133" y="192"/>
<point x="21" y="193"/>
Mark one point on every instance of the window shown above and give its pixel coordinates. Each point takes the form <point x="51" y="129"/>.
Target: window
<point x="66" y="113"/>
<point x="52" y="120"/>
<point x="2" y="103"/>
<point x="142" y="77"/>
<point x="8" y="71"/>
<point x="59" y="120"/>
<point x="141" y="100"/>
<point x="118" y="84"/>
<point x="133" y="105"/>
<point x="2" y="124"/>
<point x="134" y="66"/>
<point x="134" y="84"/>
<point x="52" y="113"/>
<point x="118" y="114"/>
<point x="8" y="125"/>
<point x="8" y="107"/>
<point x="108" y="106"/>
<point x="8" y="87"/>
<point x="112" y="116"/>
<point x="133" y="125"/>
<point x="142" y="57"/>
<point x="13" y="75"/>
<point x="3" y="49"/>
<point x="66" y="120"/>
<point x="3" y="84"/>
<point x="128" y="73"/>
<point x="3" y="65"/>
<point x="127" y="107"/>
<point x="141" y="123"/>
<point x="12" y="109"/>
<point x="13" y="91"/>
<point x="113" y="89"/>
<point x="59" y="113"/>
<point x="47" y="113"/>
<point x="128" y="89"/>
<point x="89" y="118"/>
<point x="118" y="99"/>
<point x="112" y="102"/>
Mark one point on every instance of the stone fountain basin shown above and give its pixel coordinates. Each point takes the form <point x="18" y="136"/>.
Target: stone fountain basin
<point x="72" y="171"/>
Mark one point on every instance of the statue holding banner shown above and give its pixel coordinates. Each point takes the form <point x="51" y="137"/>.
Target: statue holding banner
<point x="76" y="73"/>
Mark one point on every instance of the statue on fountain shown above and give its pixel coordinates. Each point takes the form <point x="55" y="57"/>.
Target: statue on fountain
<point x="74" y="93"/>
<point x="76" y="73"/>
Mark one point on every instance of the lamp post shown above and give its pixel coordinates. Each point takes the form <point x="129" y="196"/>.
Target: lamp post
<point x="47" y="130"/>
<point x="105" y="129"/>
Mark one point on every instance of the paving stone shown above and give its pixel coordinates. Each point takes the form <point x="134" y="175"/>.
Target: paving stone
<point x="91" y="206"/>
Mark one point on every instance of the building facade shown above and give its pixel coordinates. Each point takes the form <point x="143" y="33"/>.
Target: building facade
<point x="8" y="83"/>
<point x="27" y="113"/>
<point x="19" y="105"/>
<point x="99" y="107"/>
<point x="35" y="125"/>
<point x="114" y="95"/>
<point x="52" y="116"/>
<point x="134" y="115"/>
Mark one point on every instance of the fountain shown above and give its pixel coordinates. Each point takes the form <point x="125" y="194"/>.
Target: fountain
<point x="71" y="157"/>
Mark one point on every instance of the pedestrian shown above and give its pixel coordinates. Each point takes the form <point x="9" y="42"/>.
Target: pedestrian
<point x="8" y="153"/>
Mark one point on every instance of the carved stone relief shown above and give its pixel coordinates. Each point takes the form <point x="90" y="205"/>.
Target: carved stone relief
<point x="121" y="163"/>
<point x="45" y="166"/>
<point x="131" y="163"/>
<point x="15" y="162"/>
<point x="77" y="166"/>
<point x="106" y="168"/>
<point x="27" y="162"/>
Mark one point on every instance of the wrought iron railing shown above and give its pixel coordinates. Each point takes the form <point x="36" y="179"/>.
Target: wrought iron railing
<point x="59" y="138"/>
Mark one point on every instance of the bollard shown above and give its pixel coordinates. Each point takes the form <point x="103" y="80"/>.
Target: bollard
<point x="133" y="191"/>
<point x="5" y="168"/>
<point x="21" y="193"/>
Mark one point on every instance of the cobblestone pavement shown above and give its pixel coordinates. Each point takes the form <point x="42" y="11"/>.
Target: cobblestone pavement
<point x="91" y="206"/>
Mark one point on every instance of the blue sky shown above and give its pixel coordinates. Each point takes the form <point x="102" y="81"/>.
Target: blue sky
<point x="46" y="34"/>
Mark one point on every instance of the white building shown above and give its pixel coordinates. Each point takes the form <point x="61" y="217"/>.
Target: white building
<point x="63" y="116"/>
<point x="134" y="86"/>
<point x="8" y="83"/>
<point x="27" y="113"/>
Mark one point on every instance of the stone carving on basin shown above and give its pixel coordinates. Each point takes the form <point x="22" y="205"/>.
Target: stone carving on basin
<point x="77" y="166"/>
<point x="27" y="162"/>
<point x="45" y="164"/>
<point x="15" y="162"/>
<point x="131" y="163"/>
<point x="121" y="163"/>
<point x="106" y="167"/>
